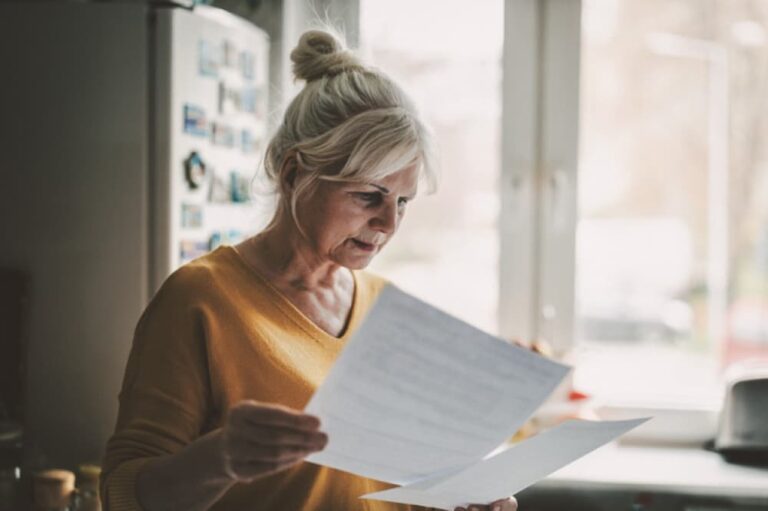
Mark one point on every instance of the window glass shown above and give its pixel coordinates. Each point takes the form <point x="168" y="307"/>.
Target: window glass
<point x="672" y="237"/>
<point x="448" y="57"/>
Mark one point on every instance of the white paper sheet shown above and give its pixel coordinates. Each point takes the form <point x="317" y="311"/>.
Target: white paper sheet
<point x="511" y="470"/>
<point x="417" y="393"/>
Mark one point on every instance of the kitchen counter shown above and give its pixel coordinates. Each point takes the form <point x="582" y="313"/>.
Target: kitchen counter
<point x="623" y="477"/>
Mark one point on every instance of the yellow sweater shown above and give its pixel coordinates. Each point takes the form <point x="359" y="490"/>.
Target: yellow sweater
<point x="214" y="334"/>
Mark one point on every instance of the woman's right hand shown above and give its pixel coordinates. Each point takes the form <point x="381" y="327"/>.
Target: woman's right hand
<point x="259" y="439"/>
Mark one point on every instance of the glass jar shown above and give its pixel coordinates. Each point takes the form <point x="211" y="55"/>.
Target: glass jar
<point x="88" y="487"/>
<point x="53" y="490"/>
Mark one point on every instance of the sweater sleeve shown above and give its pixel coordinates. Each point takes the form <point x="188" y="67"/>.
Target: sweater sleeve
<point x="165" y="397"/>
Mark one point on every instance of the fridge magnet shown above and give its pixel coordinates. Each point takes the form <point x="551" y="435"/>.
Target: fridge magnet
<point x="222" y="134"/>
<point x="195" y="122"/>
<point x="222" y="98"/>
<point x="207" y="59"/>
<point x="194" y="170"/>
<point x="218" y="192"/>
<point x="235" y="236"/>
<point x="215" y="240"/>
<point x="247" y="65"/>
<point x="191" y="249"/>
<point x="239" y="186"/>
<point x="191" y="216"/>
<point x="248" y="98"/>
<point x="230" y="54"/>
<point x="230" y="99"/>
<point x="248" y="142"/>
<point x="230" y="237"/>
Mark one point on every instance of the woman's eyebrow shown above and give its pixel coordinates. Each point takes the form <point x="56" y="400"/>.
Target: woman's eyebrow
<point x="382" y="188"/>
<point x="385" y="190"/>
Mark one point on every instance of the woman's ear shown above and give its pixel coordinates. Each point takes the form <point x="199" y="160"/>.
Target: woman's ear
<point x="288" y="171"/>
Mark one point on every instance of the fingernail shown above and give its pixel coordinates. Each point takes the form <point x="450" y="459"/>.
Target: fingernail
<point x="496" y="507"/>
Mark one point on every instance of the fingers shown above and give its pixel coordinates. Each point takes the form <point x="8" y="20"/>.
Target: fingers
<point x="251" y="426"/>
<point x="263" y="414"/>
<point x="269" y="453"/>
<point x="248" y="470"/>
<point x="259" y="439"/>
<point x="249" y="435"/>
<point x="259" y="460"/>
<point x="509" y="504"/>
<point x="281" y="436"/>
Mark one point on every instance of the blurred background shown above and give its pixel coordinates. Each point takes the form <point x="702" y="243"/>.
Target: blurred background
<point x="604" y="193"/>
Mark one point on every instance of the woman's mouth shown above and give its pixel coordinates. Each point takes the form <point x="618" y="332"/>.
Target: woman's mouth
<point x="365" y="247"/>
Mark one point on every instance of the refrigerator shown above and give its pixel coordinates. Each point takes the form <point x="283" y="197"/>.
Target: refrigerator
<point x="130" y="142"/>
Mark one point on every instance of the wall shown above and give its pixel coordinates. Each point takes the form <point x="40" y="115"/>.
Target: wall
<point x="74" y="219"/>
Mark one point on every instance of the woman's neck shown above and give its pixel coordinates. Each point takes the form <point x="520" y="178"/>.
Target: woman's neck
<point x="284" y="256"/>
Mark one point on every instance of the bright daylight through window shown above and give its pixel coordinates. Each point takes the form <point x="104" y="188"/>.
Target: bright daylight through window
<point x="672" y="238"/>
<point x="447" y="251"/>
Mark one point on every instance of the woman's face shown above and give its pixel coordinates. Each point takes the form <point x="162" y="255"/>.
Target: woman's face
<point x="349" y="223"/>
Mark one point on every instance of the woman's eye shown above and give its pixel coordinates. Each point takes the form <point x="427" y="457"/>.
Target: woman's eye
<point x="371" y="198"/>
<point x="402" y="202"/>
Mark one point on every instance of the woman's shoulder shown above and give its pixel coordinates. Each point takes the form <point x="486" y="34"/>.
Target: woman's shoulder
<point x="370" y="283"/>
<point x="200" y="285"/>
<point x="202" y="276"/>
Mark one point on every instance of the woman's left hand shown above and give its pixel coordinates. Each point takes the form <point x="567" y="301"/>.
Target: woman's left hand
<point x="509" y="504"/>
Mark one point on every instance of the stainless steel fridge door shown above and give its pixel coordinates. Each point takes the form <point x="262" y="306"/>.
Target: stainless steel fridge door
<point x="210" y="127"/>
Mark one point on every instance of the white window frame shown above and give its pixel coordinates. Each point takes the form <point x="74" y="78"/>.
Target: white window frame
<point x="540" y="121"/>
<point x="539" y="133"/>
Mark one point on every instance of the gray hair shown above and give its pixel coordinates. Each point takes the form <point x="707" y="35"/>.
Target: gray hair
<point x="349" y="123"/>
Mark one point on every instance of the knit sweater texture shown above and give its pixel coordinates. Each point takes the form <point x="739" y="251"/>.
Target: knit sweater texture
<point x="217" y="333"/>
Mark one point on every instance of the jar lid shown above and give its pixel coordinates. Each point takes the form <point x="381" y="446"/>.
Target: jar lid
<point x="89" y="471"/>
<point x="53" y="488"/>
<point x="55" y="476"/>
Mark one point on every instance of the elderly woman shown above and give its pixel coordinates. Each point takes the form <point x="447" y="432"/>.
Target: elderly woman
<point x="233" y="345"/>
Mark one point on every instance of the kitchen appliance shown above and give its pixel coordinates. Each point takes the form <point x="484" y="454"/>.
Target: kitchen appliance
<point x="130" y="134"/>
<point x="743" y="432"/>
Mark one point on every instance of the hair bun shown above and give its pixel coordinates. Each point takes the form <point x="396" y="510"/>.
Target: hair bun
<point x="319" y="54"/>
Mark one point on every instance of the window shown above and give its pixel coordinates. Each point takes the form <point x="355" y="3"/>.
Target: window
<point x="671" y="264"/>
<point x="624" y="218"/>
<point x="447" y="55"/>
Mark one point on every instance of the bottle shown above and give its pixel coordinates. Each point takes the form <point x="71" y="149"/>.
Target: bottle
<point x="52" y="490"/>
<point x="88" y="487"/>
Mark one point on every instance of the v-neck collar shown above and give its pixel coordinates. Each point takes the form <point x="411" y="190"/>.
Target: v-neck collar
<point x="294" y="313"/>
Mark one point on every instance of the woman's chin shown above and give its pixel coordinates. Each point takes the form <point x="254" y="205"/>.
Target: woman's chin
<point x="354" y="257"/>
<point x="355" y="261"/>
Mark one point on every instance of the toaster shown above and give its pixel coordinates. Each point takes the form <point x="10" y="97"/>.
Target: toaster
<point x="743" y="430"/>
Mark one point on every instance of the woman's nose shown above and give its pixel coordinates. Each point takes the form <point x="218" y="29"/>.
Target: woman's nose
<point x="386" y="219"/>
